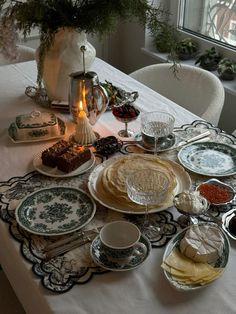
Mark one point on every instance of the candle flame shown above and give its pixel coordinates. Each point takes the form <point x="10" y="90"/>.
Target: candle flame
<point x="83" y="94"/>
<point x="81" y="108"/>
<point x="82" y="102"/>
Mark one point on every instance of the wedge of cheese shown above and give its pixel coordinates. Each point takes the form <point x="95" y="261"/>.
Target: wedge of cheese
<point x="186" y="271"/>
<point x="202" y="243"/>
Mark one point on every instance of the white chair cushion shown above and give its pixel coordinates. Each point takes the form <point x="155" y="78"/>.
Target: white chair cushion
<point x="195" y="89"/>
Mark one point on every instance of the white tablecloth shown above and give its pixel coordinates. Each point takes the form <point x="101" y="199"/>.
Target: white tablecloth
<point x="144" y="290"/>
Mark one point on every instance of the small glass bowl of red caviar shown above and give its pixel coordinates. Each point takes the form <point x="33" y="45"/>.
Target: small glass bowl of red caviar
<point x="217" y="193"/>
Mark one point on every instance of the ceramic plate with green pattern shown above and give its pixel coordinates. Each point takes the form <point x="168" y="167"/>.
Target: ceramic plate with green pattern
<point x="209" y="159"/>
<point x="55" y="211"/>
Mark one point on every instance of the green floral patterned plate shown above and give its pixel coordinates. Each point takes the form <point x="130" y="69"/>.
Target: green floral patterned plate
<point x="55" y="211"/>
<point x="209" y="159"/>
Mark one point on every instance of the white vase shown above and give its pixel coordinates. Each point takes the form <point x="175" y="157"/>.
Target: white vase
<point x="63" y="58"/>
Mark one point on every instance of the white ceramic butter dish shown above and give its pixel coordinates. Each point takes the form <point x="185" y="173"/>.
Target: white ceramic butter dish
<point x="36" y="126"/>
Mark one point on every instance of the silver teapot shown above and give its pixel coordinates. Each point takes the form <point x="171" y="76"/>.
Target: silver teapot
<point x="96" y="97"/>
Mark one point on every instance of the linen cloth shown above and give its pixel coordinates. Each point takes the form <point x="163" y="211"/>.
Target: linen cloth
<point x="143" y="290"/>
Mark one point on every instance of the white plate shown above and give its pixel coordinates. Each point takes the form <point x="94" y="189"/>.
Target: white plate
<point x="182" y="178"/>
<point x="221" y="262"/>
<point x="56" y="173"/>
<point x="62" y="131"/>
<point x="55" y="210"/>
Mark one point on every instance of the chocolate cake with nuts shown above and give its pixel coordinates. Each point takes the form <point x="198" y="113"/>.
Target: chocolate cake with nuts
<point x="50" y="155"/>
<point x="73" y="158"/>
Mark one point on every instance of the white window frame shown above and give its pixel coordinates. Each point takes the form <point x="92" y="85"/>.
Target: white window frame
<point x="231" y="24"/>
<point x="175" y="7"/>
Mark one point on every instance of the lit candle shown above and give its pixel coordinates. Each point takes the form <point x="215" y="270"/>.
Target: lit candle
<point x="82" y="103"/>
<point x="84" y="133"/>
<point x="82" y="113"/>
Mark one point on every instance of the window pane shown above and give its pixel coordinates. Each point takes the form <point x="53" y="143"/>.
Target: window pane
<point x="215" y="19"/>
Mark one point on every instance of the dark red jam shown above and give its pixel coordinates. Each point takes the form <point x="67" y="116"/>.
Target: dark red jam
<point x="127" y="111"/>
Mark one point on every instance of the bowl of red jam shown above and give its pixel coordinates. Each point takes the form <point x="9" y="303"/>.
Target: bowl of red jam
<point x="216" y="192"/>
<point x="126" y="112"/>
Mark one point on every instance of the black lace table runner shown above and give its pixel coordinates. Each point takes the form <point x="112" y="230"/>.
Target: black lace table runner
<point x="77" y="267"/>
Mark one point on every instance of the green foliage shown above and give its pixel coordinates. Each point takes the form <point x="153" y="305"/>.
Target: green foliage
<point x="186" y="47"/>
<point x="209" y="59"/>
<point x="164" y="34"/>
<point x="227" y="65"/>
<point x="227" y="69"/>
<point x="91" y="16"/>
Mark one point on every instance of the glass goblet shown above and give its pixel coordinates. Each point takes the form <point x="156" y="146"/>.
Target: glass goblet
<point x="125" y="113"/>
<point x="148" y="187"/>
<point x="156" y="126"/>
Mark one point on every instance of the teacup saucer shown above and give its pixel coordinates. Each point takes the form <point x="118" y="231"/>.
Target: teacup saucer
<point x="161" y="147"/>
<point x="101" y="259"/>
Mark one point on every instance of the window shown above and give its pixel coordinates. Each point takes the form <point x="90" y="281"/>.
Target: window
<point x="214" y="20"/>
<point x="204" y="22"/>
<point x="232" y="34"/>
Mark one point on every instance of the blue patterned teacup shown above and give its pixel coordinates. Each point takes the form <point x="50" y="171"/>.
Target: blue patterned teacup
<point x="120" y="240"/>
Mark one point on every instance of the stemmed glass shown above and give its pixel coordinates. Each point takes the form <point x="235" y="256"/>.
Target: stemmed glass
<point x="156" y="125"/>
<point x="125" y="112"/>
<point x="148" y="187"/>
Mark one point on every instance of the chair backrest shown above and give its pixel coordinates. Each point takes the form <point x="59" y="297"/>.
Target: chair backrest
<point x="193" y="88"/>
<point x="24" y="54"/>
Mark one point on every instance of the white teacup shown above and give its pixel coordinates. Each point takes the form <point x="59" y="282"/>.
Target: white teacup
<point x="120" y="240"/>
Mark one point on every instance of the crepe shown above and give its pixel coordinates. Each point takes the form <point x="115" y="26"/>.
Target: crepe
<point x="112" y="186"/>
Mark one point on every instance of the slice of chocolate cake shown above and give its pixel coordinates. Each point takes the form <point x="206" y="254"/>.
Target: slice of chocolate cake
<point x="73" y="158"/>
<point x="50" y="155"/>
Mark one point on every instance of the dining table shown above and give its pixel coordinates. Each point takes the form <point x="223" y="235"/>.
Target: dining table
<point x="72" y="283"/>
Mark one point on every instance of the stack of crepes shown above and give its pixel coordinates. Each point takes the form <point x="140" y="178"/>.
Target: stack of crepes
<point x="112" y="182"/>
<point x="188" y="272"/>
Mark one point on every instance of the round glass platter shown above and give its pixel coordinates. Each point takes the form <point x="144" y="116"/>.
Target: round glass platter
<point x="221" y="262"/>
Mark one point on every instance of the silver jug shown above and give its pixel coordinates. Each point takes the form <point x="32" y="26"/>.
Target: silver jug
<point x="96" y="97"/>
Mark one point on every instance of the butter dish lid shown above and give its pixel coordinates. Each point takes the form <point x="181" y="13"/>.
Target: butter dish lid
<point x="36" y="119"/>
